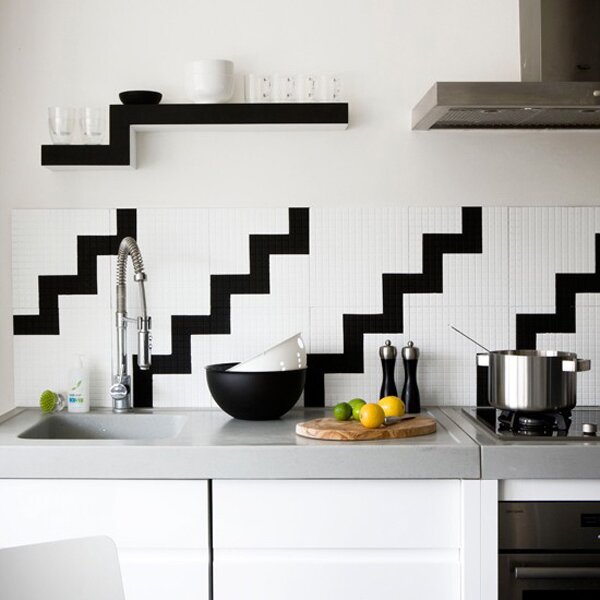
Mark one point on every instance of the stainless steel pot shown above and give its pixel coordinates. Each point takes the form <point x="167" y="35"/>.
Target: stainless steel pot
<point x="532" y="380"/>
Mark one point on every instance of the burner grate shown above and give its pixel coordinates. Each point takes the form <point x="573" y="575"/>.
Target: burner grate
<point x="566" y="425"/>
<point x="535" y="424"/>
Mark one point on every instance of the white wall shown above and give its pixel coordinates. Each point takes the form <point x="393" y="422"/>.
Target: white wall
<point x="82" y="52"/>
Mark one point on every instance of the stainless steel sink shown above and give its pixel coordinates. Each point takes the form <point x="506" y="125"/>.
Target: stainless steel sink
<point x="105" y="426"/>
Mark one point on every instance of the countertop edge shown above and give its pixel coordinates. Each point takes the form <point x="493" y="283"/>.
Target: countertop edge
<point x="450" y="455"/>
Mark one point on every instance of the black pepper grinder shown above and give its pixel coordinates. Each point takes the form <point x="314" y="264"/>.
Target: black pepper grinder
<point x="388" y="353"/>
<point x="410" y="391"/>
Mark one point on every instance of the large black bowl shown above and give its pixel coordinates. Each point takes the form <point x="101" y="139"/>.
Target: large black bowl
<point x="254" y="396"/>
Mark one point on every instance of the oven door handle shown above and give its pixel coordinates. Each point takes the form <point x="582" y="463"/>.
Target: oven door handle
<point x="557" y="572"/>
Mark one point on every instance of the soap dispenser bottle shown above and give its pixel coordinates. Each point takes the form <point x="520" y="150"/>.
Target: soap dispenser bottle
<point x="410" y="391"/>
<point x="388" y="353"/>
<point x="78" y="395"/>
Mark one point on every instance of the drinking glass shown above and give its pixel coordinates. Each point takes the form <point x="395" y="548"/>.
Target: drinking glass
<point x="61" y="122"/>
<point x="93" y="124"/>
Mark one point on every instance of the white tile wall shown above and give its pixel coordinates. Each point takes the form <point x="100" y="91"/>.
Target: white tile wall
<point x="176" y="250"/>
<point x="474" y="299"/>
<point x="546" y="241"/>
<point x="44" y="242"/>
<point x="587" y="344"/>
<point x="230" y="229"/>
<point x="341" y="387"/>
<point x="447" y="371"/>
<point x="350" y="249"/>
<point x="543" y="242"/>
<point x="43" y="361"/>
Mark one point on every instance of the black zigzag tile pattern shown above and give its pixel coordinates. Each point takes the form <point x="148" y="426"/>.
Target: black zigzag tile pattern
<point x="50" y="287"/>
<point x="430" y="281"/>
<point x="222" y="287"/>
<point x="563" y="320"/>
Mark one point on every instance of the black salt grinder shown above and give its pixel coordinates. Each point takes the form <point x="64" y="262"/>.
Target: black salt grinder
<point x="388" y="353"/>
<point x="410" y="391"/>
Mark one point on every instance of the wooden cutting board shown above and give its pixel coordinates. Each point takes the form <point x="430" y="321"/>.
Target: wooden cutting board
<point x="352" y="431"/>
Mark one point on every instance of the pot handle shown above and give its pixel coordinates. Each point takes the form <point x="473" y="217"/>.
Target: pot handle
<point x="483" y="359"/>
<point x="576" y="366"/>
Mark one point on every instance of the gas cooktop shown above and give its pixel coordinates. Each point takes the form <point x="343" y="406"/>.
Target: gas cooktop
<point x="579" y="424"/>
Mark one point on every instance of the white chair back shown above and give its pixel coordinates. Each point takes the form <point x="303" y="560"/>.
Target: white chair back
<point x="79" y="569"/>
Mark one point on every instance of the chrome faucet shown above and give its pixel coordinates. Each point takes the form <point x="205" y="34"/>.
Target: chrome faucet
<point x="120" y="390"/>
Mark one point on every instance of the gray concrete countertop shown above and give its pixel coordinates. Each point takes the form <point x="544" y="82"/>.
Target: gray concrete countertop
<point x="553" y="459"/>
<point x="213" y="446"/>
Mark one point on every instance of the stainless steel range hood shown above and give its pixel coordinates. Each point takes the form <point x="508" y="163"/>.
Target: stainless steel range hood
<point x="560" y="71"/>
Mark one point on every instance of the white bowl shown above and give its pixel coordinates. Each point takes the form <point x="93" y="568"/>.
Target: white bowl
<point x="209" y="81"/>
<point x="289" y="355"/>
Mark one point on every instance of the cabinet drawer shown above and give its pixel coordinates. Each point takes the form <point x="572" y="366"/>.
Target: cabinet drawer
<point x="336" y="514"/>
<point x="136" y="514"/>
<point x="326" y="574"/>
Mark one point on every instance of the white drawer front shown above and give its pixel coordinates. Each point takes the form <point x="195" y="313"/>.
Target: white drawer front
<point x="328" y="574"/>
<point x="336" y="514"/>
<point x="136" y="514"/>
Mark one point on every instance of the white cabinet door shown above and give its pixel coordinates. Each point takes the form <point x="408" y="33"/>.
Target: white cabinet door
<point x="336" y="514"/>
<point x="336" y="539"/>
<point x="160" y="527"/>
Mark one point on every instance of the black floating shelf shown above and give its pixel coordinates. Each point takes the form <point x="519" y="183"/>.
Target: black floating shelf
<point x="125" y="120"/>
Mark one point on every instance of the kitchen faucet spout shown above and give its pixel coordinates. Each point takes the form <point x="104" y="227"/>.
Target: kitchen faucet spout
<point x="120" y="390"/>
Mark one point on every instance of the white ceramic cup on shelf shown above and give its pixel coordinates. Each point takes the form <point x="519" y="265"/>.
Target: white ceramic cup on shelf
<point x="257" y="88"/>
<point x="284" y="88"/>
<point x="306" y="88"/>
<point x="329" y="88"/>
<point x="209" y="81"/>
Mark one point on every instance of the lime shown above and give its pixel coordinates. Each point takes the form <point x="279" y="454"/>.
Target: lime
<point x="372" y="416"/>
<point x="356" y="404"/>
<point x="392" y="406"/>
<point x="342" y="411"/>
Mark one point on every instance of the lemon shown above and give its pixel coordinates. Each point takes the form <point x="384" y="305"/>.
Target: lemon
<point x="356" y="404"/>
<point x="392" y="406"/>
<point x="372" y="416"/>
<point x="342" y="411"/>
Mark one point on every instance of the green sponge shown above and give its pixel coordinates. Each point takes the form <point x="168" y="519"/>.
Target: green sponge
<point x="51" y="402"/>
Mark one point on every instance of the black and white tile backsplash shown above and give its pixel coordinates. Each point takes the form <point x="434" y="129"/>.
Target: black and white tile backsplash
<point x="224" y="284"/>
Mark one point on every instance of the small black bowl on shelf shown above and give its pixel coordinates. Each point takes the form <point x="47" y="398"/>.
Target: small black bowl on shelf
<point x="140" y="97"/>
<point x="254" y="396"/>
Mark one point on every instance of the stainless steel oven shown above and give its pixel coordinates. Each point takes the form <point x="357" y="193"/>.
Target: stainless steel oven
<point x="549" y="550"/>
